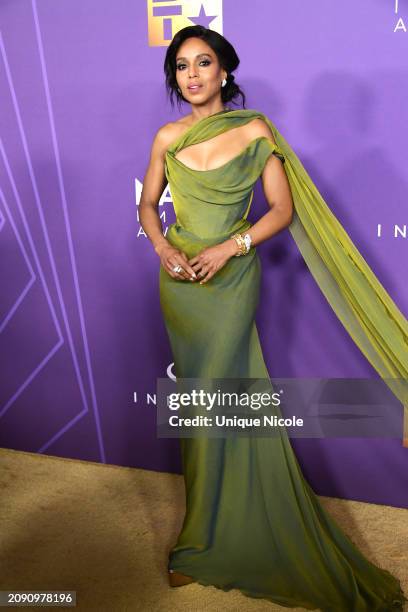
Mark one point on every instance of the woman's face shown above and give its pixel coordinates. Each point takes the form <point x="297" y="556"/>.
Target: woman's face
<point x="198" y="65"/>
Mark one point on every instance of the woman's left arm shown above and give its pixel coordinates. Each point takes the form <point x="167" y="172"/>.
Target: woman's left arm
<point x="277" y="192"/>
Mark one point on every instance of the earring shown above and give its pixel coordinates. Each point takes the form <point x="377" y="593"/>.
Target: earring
<point x="178" y="89"/>
<point x="224" y="82"/>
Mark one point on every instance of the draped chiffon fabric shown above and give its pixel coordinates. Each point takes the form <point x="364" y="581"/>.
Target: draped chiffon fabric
<point x="252" y="521"/>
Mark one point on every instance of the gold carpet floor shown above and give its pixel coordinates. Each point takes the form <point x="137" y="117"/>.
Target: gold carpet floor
<point x="105" y="531"/>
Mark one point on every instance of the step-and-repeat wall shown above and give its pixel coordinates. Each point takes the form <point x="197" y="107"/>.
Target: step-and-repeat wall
<point x="82" y="96"/>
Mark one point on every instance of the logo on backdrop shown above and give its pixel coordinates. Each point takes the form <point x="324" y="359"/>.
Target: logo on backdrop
<point x="170" y="372"/>
<point x="166" y="198"/>
<point x="395" y="231"/>
<point x="167" y="17"/>
<point x="150" y="397"/>
<point x="400" y="23"/>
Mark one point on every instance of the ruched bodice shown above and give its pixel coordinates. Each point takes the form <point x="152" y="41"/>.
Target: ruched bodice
<point x="211" y="205"/>
<point x="227" y="194"/>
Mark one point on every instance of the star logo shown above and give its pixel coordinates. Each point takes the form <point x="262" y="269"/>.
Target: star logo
<point x="202" y="18"/>
<point x="167" y="17"/>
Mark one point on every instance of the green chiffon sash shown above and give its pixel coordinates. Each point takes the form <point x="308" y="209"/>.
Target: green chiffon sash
<point x="364" y="307"/>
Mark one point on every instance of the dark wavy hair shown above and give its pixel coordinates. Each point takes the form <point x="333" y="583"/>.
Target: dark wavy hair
<point x="224" y="51"/>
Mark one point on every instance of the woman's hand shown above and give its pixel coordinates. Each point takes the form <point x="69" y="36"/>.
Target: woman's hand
<point x="171" y="257"/>
<point x="211" y="259"/>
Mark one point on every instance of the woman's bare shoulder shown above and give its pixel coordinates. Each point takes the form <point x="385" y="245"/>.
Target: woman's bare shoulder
<point x="258" y="127"/>
<point x="172" y="130"/>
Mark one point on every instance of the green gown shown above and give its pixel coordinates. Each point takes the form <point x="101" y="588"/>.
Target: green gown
<point x="252" y="521"/>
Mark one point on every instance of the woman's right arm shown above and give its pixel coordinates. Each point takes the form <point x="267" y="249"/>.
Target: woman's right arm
<point x="154" y="183"/>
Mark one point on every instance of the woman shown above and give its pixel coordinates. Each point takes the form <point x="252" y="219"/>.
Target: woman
<point x="252" y="521"/>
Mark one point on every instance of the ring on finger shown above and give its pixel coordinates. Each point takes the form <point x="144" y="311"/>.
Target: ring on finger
<point x="177" y="268"/>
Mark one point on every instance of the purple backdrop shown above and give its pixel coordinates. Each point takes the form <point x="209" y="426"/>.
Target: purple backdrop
<point x="83" y="94"/>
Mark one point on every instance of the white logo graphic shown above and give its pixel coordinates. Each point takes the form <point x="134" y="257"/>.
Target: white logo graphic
<point x="400" y="25"/>
<point x="166" y="198"/>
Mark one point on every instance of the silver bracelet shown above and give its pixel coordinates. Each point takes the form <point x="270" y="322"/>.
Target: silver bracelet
<point x="248" y="241"/>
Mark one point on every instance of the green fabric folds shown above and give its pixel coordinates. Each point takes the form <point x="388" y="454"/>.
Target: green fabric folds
<point x="252" y="521"/>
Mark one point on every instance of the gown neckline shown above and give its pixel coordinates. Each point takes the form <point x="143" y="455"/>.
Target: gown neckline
<point x="175" y="142"/>
<point x="223" y="166"/>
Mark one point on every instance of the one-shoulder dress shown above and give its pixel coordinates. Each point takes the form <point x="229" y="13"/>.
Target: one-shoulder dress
<point x="252" y="521"/>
